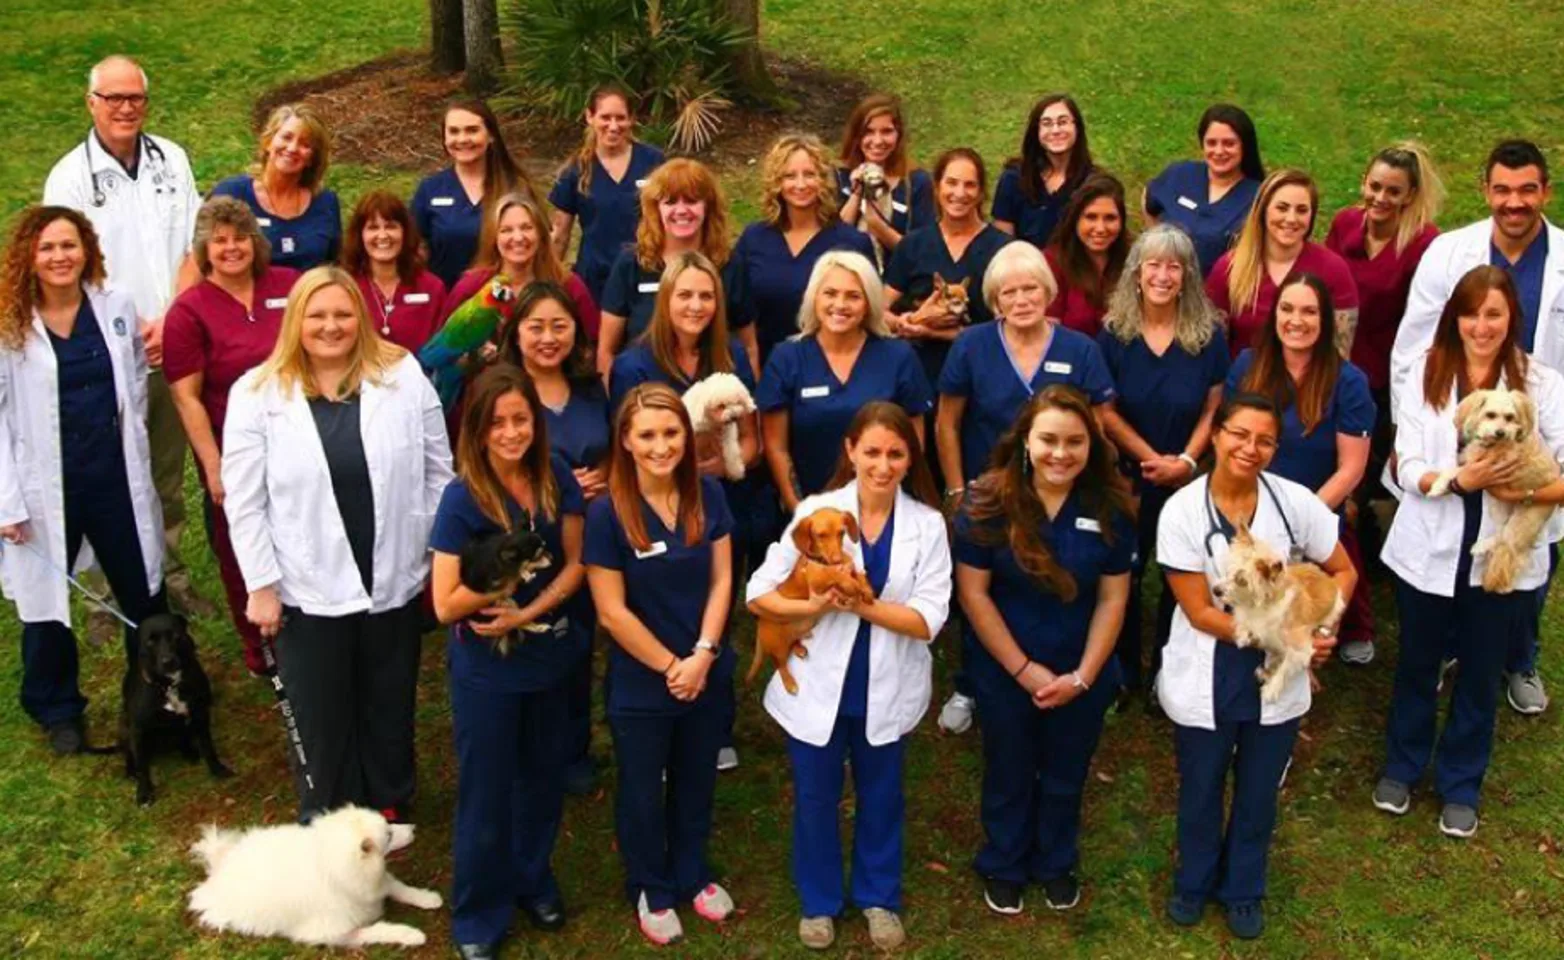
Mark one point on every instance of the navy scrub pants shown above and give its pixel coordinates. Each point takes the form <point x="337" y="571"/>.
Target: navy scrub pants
<point x="662" y="828"/>
<point x="1035" y="764"/>
<point x="818" y="775"/>
<point x="1523" y="645"/>
<point x="510" y="794"/>
<point x="1474" y="625"/>
<point x="1128" y="649"/>
<point x="50" y="692"/>
<point x="1226" y="860"/>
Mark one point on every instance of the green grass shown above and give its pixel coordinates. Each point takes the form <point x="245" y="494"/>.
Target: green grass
<point x="84" y="873"/>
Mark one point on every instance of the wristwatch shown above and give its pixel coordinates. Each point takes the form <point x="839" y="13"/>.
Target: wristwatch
<point x="709" y="647"/>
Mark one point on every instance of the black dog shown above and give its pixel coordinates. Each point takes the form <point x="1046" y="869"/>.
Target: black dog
<point x="497" y="563"/>
<point x="166" y="695"/>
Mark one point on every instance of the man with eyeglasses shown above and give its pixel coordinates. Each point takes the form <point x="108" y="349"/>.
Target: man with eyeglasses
<point x="1518" y="239"/>
<point x="140" y="194"/>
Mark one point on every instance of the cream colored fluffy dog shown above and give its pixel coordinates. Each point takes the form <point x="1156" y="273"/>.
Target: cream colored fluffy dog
<point x="1502" y="424"/>
<point x="715" y="405"/>
<point x="325" y="883"/>
<point x="1278" y="607"/>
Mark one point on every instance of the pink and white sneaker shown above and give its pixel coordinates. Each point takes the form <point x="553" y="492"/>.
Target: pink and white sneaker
<point x="713" y="903"/>
<point x="662" y="927"/>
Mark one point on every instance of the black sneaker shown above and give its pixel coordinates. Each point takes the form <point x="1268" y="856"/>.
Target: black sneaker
<point x="1246" y="920"/>
<point x="66" y="738"/>
<point x="1002" y="896"/>
<point x="1184" y="910"/>
<point x="1062" y="893"/>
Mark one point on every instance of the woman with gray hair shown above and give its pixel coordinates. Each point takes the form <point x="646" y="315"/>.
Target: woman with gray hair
<point x="213" y="333"/>
<point x="843" y="357"/>
<point x="1163" y="342"/>
<point x="993" y="369"/>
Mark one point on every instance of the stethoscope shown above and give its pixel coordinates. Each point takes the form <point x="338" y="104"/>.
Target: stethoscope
<point x="157" y="167"/>
<point x="1214" y="523"/>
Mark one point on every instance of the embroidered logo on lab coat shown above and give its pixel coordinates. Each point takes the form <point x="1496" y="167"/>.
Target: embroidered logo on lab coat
<point x="120" y="327"/>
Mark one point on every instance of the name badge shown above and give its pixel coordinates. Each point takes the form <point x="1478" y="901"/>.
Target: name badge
<point x="442" y="201"/>
<point x="898" y="206"/>
<point x="288" y="245"/>
<point x="1054" y="366"/>
<point x="416" y="298"/>
<point x="263" y="222"/>
<point x="650" y="287"/>
<point x="640" y="183"/>
<point x="810" y="393"/>
<point x="276" y="303"/>
<point x="655" y="550"/>
<point x="1088" y="524"/>
<point x="1188" y="204"/>
<point x="120" y="327"/>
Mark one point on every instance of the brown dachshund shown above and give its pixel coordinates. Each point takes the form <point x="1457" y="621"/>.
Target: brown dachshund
<point x="822" y="565"/>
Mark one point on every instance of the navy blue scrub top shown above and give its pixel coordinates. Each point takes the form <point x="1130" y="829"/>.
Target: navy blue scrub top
<point x="609" y="211"/>
<point x="631" y="292"/>
<point x="1310" y="460"/>
<point x="1048" y="630"/>
<point x="1034" y="222"/>
<point x="776" y="279"/>
<point x="1527" y="272"/>
<point x="312" y="238"/>
<point x="1162" y="398"/>
<point x="798" y="379"/>
<point x="579" y="431"/>
<point x="666" y="588"/>
<point x="91" y="450"/>
<point x="638" y="365"/>
<point x="449" y="222"/>
<point x="981" y="369"/>
<point x="905" y="214"/>
<point x="876" y="566"/>
<point x="541" y="661"/>
<point x="923" y="253"/>
<point x="338" y="422"/>
<point x="1180" y="195"/>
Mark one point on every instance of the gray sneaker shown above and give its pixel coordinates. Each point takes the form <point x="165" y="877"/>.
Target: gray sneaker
<point x="1392" y="796"/>
<point x="727" y="759"/>
<point x="1526" y="693"/>
<point x="1356" y="652"/>
<point x="1458" y="820"/>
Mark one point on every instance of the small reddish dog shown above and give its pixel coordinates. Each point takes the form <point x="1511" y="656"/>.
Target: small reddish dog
<point x="953" y="301"/>
<point x="822" y="565"/>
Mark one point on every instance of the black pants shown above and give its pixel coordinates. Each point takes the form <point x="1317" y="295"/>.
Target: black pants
<point x="352" y="683"/>
<point x="1129" y="647"/>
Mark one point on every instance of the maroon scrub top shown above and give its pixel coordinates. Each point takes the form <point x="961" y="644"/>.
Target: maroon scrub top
<point x="415" y="312"/>
<point x="1315" y="259"/>
<point x="1384" y="281"/>
<point x="1072" y="307"/>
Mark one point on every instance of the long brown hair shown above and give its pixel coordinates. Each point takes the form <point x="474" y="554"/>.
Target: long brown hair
<point x="1447" y="356"/>
<point x="472" y="445"/>
<point x="919" y="481"/>
<point x="876" y="105"/>
<point x="389" y="207"/>
<point x="501" y="173"/>
<point x="624" y="488"/>
<point x="19" y="288"/>
<point x="716" y="355"/>
<point x="545" y="262"/>
<point x="1004" y="505"/>
<point x="1268" y="375"/>
<point x="583" y="160"/>
<point x="682" y="178"/>
<point x="1074" y="259"/>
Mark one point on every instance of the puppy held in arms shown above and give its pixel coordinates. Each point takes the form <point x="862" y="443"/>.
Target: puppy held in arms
<point x="1502" y="425"/>
<point x="496" y="564"/>
<point x="823" y="565"/>
<point x="1278" y="607"/>
<point x="325" y="883"/>
<point x="716" y="405"/>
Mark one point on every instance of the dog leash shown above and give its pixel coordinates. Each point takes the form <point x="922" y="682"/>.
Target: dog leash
<point x="92" y="598"/>
<point x="290" y="722"/>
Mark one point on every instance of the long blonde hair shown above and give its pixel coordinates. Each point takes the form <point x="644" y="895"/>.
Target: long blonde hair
<point x="869" y="278"/>
<point x="545" y="263"/>
<point x="774" y="167"/>
<point x="1428" y="190"/>
<point x="1197" y="318"/>
<point x="687" y="179"/>
<point x="1246" y="271"/>
<point x="315" y="130"/>
<point x="289" y="365"/>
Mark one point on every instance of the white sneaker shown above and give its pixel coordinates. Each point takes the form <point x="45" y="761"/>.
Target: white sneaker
<point x="885" y="929"/>
<point x="817" y="933"/>
<point x="956" y="715"/>
<point x="714" y="903"/>
<point x="662" y="927"/>
<point x="727" y="759"/>
<point x="1526" y="693"/>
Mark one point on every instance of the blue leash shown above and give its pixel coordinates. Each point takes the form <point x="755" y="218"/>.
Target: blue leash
<point x="93" y="598"/>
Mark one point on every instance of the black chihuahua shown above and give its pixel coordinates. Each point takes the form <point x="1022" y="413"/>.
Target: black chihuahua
<point x="497" y="563"/>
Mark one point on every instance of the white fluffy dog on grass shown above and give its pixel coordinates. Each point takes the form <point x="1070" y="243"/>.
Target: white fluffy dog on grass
<point x="324" y="884"/>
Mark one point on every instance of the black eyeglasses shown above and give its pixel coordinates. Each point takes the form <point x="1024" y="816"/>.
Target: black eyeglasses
<point x="117" y="100"/>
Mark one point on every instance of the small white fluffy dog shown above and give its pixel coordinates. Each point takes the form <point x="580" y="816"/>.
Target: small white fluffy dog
<point x="321" y="884"/>
<point x="1278" y="607"/>
<point x="1502" y="424"/>
<point x="715" y="405"/>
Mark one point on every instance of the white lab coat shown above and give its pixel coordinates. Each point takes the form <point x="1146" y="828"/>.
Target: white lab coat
<point x="1184" y="533"/>
<point x="144" y="225"/>
<point x="31" y="472"/>
<point x="1423" y="546"/>
<point x="900" y="668"/>
<point x="1449" y="258"/>
<point x="282" y="515"/>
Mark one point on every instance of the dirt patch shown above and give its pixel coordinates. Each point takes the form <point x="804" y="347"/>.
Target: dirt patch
<point x="386" y="113"/>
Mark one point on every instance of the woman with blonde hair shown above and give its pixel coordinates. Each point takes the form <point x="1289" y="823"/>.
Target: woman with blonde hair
<point x="334" y="460"/>
<point x="515" y="242"/>
<point x="683" y="210"/>
<point x="798" y="223"/>
<point x="299" y="215"/>
<point x="1273" y="245"/>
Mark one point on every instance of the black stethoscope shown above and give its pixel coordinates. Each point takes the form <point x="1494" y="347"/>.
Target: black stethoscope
<point x="1214" y="523"/>
<point x="157" y="167"/>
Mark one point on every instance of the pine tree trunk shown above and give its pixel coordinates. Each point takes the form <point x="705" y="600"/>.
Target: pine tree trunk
<point x="749" y="66"/>
<point x="482" y="25"/>
<point x="447" y="43"/>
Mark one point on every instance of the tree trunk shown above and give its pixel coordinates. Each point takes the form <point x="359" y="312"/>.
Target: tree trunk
<point x="749" y="67"/>
<point x="447" y="43"/>
<point x="482" y="25"/>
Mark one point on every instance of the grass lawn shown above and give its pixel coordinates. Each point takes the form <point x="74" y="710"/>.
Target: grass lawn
<point x="84" y="873"/>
